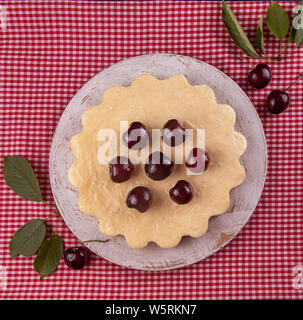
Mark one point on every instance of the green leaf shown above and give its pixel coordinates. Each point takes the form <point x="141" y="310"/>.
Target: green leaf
<point x="27" y="240"/>
<point x="236" y="32"/>
<point x="49" y="256"/>
<point x="292" y="34"/>
<point x="297" y="25"/>
<point x="277" y="20"/>
<point x="260" y="36"/>
<point x="299" y="38"/>
<point x="297" y="22"/>
<point x="20" y="177"/>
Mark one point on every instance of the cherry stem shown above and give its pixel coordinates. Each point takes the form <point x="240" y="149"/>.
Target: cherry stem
<point x="281" y="49"/>
<point x="281" y="52"/>
<point x="288" y="53"/>
<point x="248" y="61"/>
<point x="300" y="76"/>
<point x="87" y="241"/>
<point x="286" y="44"/>
<point x="50" y="217"/>
<point x="52" y="206"/>
<point x="269" y="60"/>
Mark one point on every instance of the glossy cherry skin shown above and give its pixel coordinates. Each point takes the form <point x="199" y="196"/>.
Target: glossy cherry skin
<point x="277" y="101"/>
<point x="139" y="198"/>
<point x="136" y="137"/>
<point x="120" y="169"/>
<point x="260" y="77"/>
<point x="158" y="166"/>
<point x="76" y="257"/>
<point x="197" y="160"/>
<point x="172" y="133"/>
<point x="182" y="192"/>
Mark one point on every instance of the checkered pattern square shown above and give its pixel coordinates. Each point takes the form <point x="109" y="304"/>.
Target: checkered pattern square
<point x="49" y="49"/>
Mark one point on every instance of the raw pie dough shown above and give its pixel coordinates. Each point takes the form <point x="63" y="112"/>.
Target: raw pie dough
<point x="153" y="102"/>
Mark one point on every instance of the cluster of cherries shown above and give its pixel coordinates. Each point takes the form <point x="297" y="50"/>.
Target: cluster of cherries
<point x="277" y="101"/>
<point x="158" y="166"/>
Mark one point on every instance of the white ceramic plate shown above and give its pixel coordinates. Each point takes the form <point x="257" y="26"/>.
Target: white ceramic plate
<point x="222" y="229"/>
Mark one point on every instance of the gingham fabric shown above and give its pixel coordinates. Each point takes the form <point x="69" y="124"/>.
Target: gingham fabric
<point x="49" y="49"/>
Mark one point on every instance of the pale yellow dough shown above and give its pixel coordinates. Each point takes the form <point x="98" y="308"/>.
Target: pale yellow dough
<point x="153" y="102"/>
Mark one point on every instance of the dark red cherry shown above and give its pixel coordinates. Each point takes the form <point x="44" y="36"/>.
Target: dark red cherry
<point x="277" y="101"/>
<point x="120" y="169"/>
<point x="182" y="192"/>
<point x="139" y="198"/>
<point x="260" y="76"/>
<point x="197" y="160"/>
<point x="76" y="257"/>
<point x="158" y="166"/>
<point x="136" y="137"/>
<point x="172" y="133"/>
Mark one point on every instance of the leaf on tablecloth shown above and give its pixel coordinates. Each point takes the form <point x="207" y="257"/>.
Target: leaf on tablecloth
<point x="236" y="32"/>
<point x="49" y="256"/>
<point x="277" y="20"/>
<point x="27" y="240"/>
<point x="20" y="177"/>
<point x="260" y="36"/>
<point x="296" y="32"/>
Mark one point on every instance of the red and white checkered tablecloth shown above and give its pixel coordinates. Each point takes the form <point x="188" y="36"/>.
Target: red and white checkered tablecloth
<point x="49" y="49"/>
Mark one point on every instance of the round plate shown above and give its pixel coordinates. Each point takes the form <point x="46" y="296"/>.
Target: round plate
<point x="223" y="228"/>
